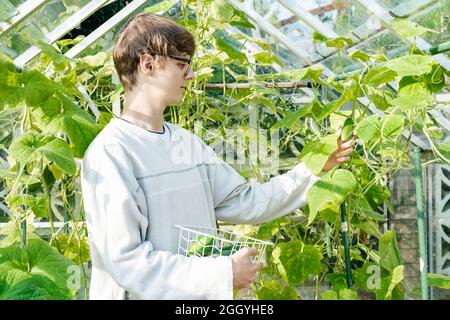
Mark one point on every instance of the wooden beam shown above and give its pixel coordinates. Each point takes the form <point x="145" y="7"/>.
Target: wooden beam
<point x="337" y="5"/>
<point x="246" y="85"/>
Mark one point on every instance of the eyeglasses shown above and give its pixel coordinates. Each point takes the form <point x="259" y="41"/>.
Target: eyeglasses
<point x="185" y="60"/>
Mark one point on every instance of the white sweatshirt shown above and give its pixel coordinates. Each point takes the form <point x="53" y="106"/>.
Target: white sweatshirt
<point x="137" y="185"/>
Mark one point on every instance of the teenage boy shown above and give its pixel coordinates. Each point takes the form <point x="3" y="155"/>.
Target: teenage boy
<point x="141" y="176"/>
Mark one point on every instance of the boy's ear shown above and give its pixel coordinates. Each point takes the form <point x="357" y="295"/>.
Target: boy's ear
<point x="147" y="63"/>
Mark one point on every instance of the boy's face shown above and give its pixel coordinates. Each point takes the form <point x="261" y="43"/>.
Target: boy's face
<point x="169" y="78"/>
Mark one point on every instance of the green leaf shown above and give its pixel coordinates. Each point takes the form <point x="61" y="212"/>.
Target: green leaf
<point x="81" y="130"/>
<point x="348" y="294"/>
<point x="344" y="294"/>
<point x="316" y="153"/>
<point x="330" y="214"/>
<point x="260" y="42"/>
<point x="49" y="109"/>
<point x="296" y="262"/>
<point x="376" y="195"/>
<point x="221" y="11"/>
<point x="32" y="146"/>
<point x="331" y="190"/>
<point x="351" y="91"/>
<point x="10" y="233"/>
<point x="240" y="20"/>
<point x="410" y="65"/>
<point x="319" y="38"/>
<point x="361" y="205"/>
<point x="274" y="290"/>
<point x="38" y="204"/>
<point x="396" y="278"/>
<point x="393" y="125"/>
<point x="291" y="118"/>
<point x="407" y="28"/>
<point x="369" y="227"/>
<point x="329" y="295"/>
<point x="267" y="58"/>
<point x="36" y="260"/>
<point x="364" y="57"/>
<point x="267" y="230"/>
<point x="435" y="80"/>
<point x="380" y="75"/>
<point x="312" y="72"/>
<point x="339" y="42"/>
<point x="74" y="249"/>
<point x="413" y="96"/>
<point x="444" y="148"/>
<point x="25" y="148"/>
<point x="30" y="287"/>
<point x="91" y="62"/>
<point x="35" y="87"/>
<point x="160" y="7"/>
<point x="204" y="73"/>
<point x="58" y="152"/>
<point x="52" y="55"/>
<point x="368" y="129"/>
<point x="366" y="278"/>
<point x="9" y="96"/>
<point x="389" y="252"/>
<point x="379" y="97"/>
<point x="223" y="45"/>
<point x="439" y="280"/>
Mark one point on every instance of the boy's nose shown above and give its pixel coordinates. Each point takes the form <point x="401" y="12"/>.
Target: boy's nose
<point x="190" y="75"/>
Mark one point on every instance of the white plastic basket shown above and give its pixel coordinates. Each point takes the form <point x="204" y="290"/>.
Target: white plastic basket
<point x="202" y="242"/>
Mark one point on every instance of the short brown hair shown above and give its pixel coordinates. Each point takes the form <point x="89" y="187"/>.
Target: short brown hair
<point x="152" y="34"/>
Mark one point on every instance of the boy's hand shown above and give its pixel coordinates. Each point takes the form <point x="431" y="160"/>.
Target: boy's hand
<point x="341" y="154"/>
<point x="244" y="271"/>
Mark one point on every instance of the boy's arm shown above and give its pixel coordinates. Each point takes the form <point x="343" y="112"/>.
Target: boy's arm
<point x="117" y="223"/>
<point x="239" y="201"/>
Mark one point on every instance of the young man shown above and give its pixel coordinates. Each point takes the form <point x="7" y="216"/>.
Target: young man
<point x="141" y="176"/>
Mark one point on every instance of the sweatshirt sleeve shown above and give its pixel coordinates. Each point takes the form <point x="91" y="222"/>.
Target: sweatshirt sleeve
<point x="239" y="201"/>
<point x="117" y="222"/>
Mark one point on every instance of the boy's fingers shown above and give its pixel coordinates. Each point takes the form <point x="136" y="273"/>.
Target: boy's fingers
<point x="344" y="153"/>
<point x="347" y="144"/>
<point x="343" y="159"/>
<point x="252" y="251"/>
<point x="259" y="265"/>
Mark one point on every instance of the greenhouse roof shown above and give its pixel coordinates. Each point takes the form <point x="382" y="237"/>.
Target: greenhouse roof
<point x="289" y="26"/>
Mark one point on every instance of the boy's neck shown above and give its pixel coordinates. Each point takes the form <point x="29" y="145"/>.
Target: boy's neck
<point x="144" y="112"/>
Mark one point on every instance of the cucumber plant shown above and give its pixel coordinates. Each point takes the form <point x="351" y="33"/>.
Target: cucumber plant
<point x="47" y="126"/>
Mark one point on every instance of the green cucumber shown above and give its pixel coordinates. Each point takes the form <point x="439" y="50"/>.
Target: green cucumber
<point x="226" y="250"/>
<point x="347" y="130"/>
<point x="202" y="245"/>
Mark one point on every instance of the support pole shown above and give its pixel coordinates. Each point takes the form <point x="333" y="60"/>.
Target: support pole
<point x="344" y="225"/>
<point x="421" y="224"/>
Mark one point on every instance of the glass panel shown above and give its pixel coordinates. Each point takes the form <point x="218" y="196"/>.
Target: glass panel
<point x="341" y="64"/>
<point x="55" y="13"/>
<point x="19" y="39"/>
<point x="39" y="25"/>
<point x="106" y="42"/>
<point x="391" y="4"/>
<point x="340" y="16"/>
<point x="437" y="18"/>
<point x="386" y="42"/>
<point x="7" y="10"/>
<point x="289" y="24"/>
<point x="286" y="55"/>
<point x="17" y="3"/>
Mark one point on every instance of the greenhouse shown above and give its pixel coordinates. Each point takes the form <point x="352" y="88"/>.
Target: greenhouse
<point x="273" y="91"/>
